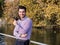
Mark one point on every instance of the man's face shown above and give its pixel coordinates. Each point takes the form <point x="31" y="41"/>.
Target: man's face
<point x="22" y="13"/>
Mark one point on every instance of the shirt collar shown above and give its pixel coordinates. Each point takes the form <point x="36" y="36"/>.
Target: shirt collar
<point x="24" y="18"/>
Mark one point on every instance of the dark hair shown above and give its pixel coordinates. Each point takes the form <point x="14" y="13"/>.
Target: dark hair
<point x="22" y="7"/>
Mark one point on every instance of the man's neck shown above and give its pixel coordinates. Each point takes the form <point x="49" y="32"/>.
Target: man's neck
<point x="22" y="18"/>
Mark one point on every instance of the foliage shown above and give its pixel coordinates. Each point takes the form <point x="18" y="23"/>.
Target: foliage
<point x="53" y="19"/>
<point x="43" y="11"/>
<point x="1" y="7"/>
<point x="10" y="10"/>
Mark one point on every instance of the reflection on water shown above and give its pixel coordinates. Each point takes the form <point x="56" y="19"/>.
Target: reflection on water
<point x="2" y="40"/>
<point x="50" y="37"/>
<point x="47" y="36"/>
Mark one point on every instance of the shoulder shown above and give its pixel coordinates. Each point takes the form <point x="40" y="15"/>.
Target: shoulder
<point x="28" y="19"/>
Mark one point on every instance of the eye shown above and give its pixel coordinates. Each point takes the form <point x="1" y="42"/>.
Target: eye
<point x="23" y="11"/>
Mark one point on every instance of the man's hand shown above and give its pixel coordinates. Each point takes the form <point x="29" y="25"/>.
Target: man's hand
<point x="23" y="35"/>
<point x="14" y="23"/>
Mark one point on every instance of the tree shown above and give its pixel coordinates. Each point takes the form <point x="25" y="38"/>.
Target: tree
<point x="10" y="9"/>
<point x="1" y="7"/>
<point x="48" y="7"/>
<point x="53" y="19"/>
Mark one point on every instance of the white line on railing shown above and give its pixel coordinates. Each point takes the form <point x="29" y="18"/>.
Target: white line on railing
<point x="30" y="41"/>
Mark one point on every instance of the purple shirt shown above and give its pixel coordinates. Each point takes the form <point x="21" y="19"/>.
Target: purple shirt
<point x="23" y="27"/>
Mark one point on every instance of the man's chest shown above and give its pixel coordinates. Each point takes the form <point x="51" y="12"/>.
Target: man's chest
<point x="22" y="23"/>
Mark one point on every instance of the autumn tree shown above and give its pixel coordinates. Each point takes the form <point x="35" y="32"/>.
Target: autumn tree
<point x="45" y="9"/>
<point x="10" y="9"/>
<point x="1" y="7"/>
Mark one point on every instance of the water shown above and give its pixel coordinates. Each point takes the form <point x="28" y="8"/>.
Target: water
<point x="47" y="36"/>
<point x="2" y="40"/>
<point x="50" y="37"/>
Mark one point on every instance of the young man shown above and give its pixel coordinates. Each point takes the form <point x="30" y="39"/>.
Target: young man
<point x="23" y="27"/>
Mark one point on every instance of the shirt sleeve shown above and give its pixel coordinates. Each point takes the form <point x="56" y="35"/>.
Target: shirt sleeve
<point x="26" y="27"/>
<point x="15" y="32"/>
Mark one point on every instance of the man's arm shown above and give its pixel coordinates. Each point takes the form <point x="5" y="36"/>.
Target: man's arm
<point x="15" y="33"/>
<point x="14" y="23"/>
<point x="24" y="29"/>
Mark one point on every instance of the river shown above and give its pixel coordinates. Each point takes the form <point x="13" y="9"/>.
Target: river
<point x="47" y="36"/>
